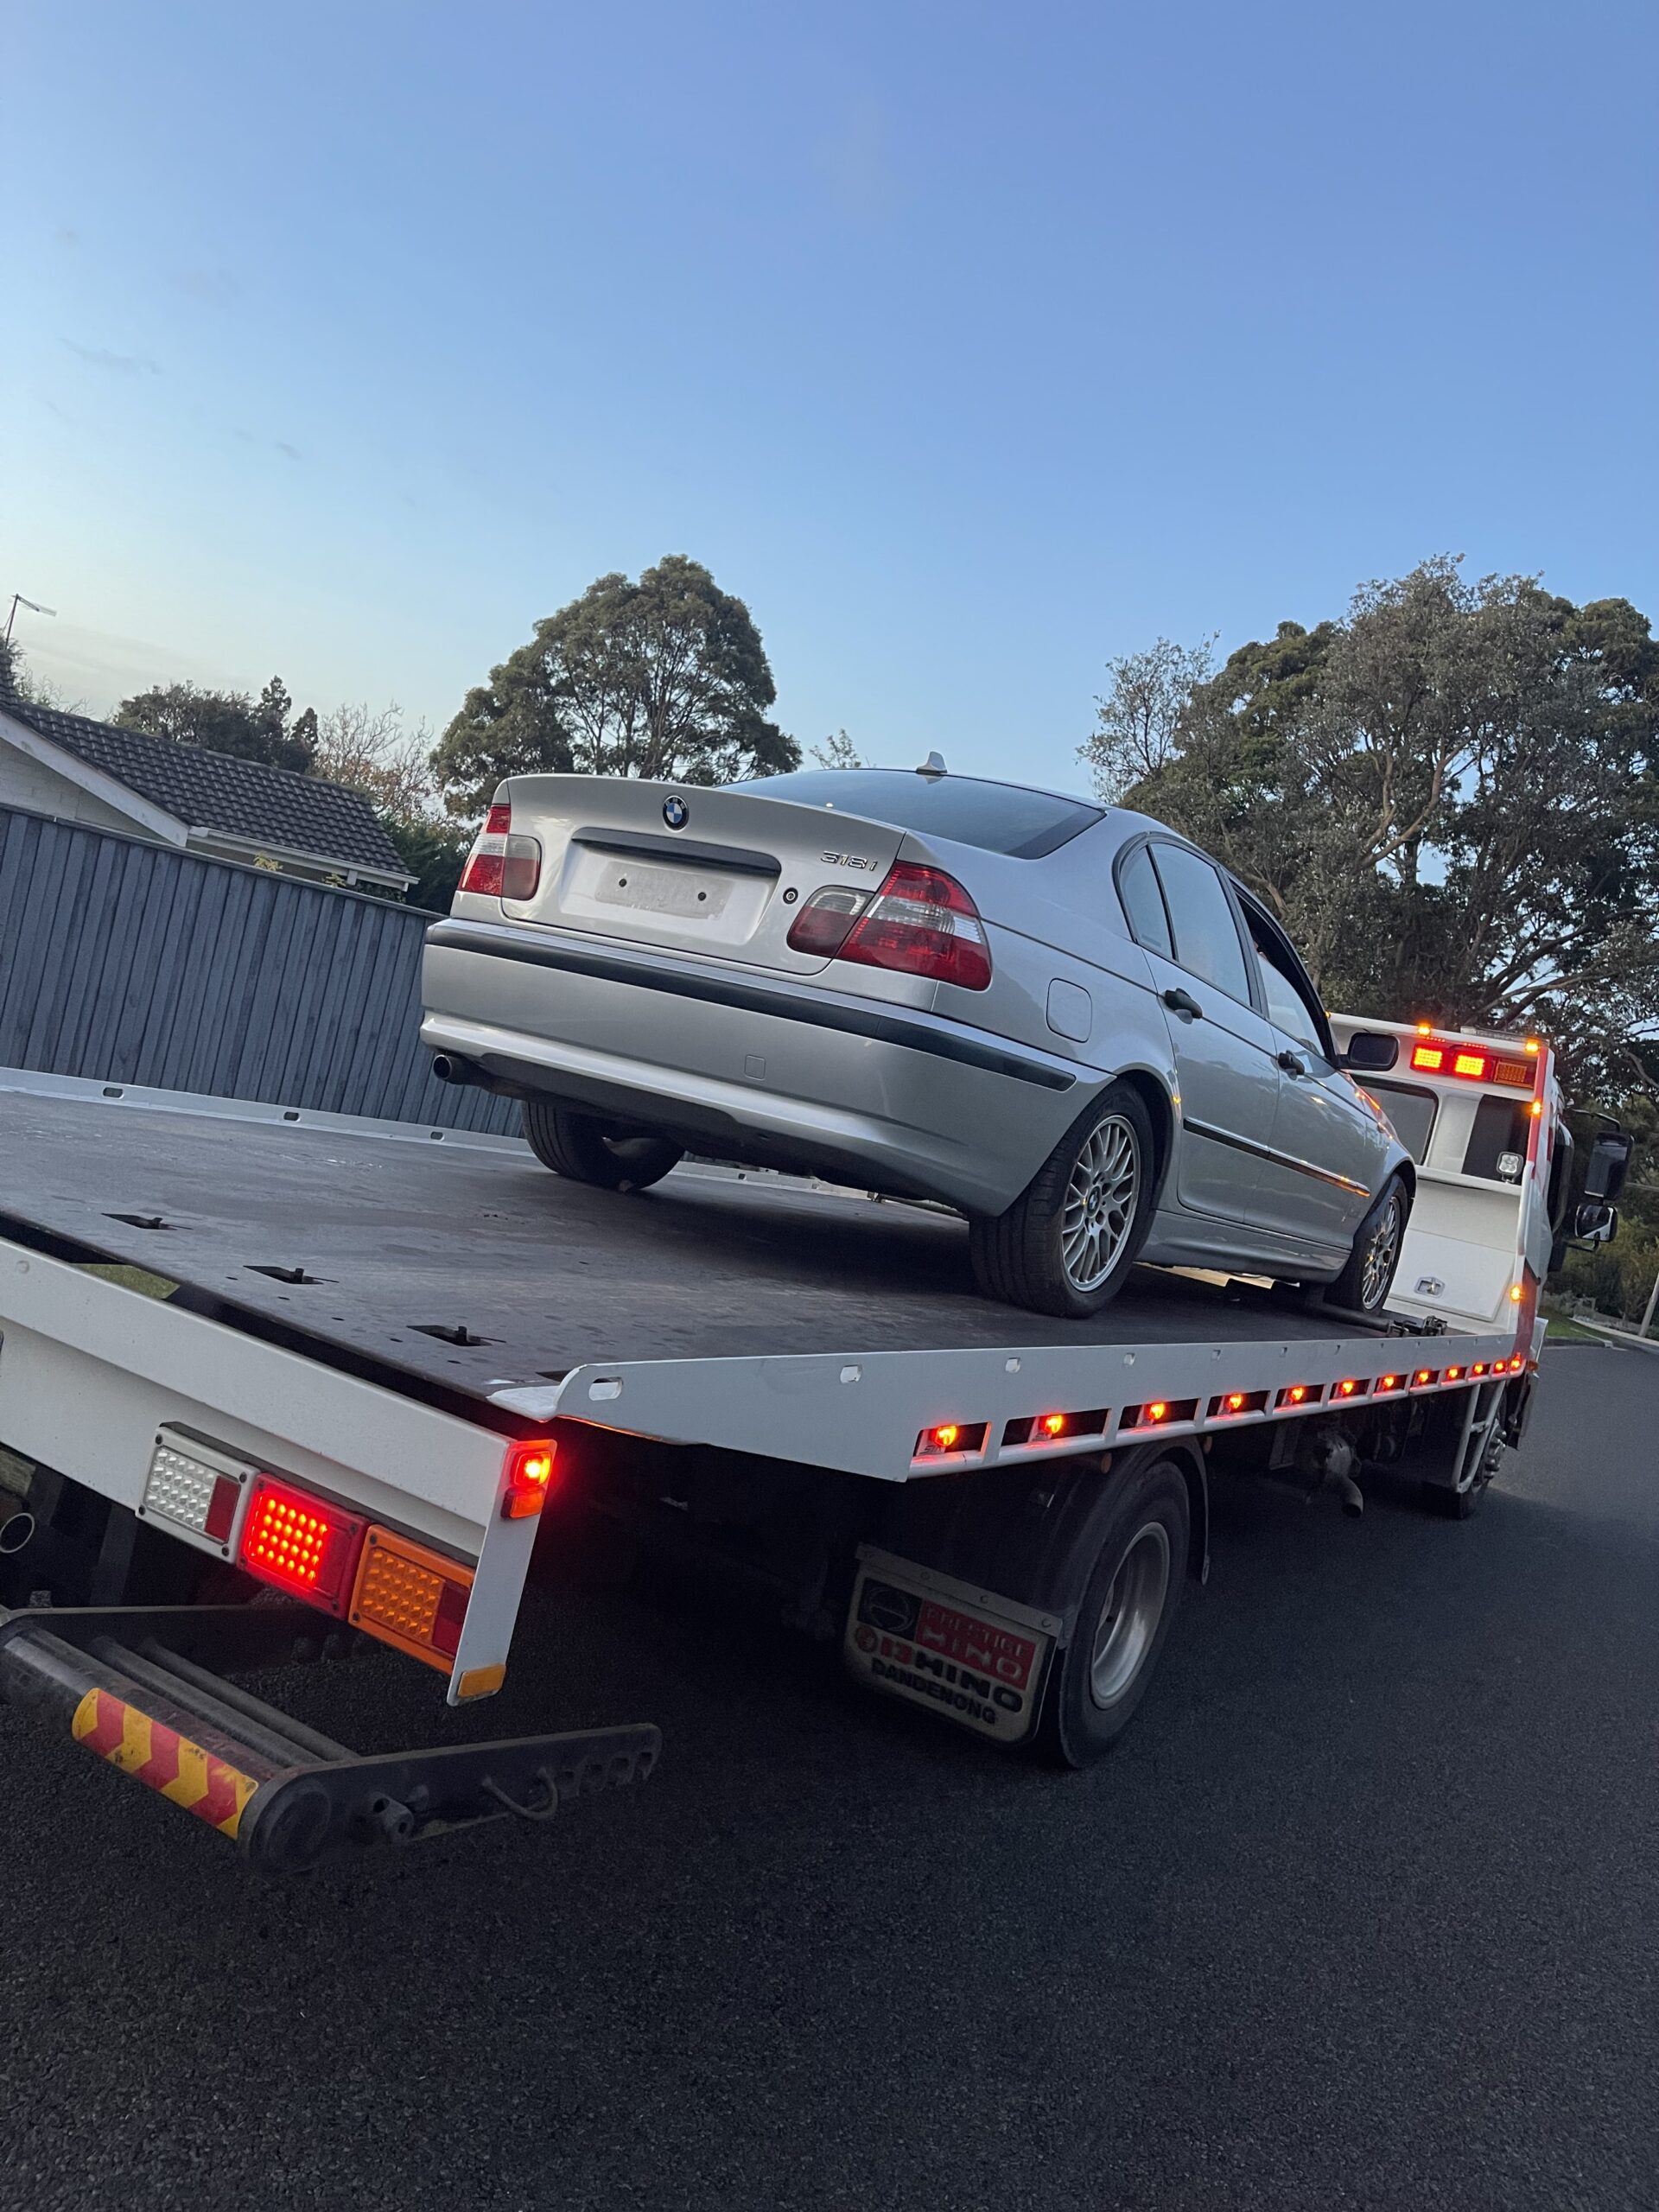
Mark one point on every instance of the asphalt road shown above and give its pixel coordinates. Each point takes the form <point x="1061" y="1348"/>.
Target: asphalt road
<point x="1363" y="1913"/>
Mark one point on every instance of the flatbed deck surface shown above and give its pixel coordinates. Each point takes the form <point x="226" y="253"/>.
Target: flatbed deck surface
<point x="403" y="1236"/>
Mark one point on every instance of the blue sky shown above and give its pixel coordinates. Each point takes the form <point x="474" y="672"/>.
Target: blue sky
<point x="970" y="344"/>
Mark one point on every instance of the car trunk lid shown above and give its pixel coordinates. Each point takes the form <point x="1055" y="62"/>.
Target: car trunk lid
<point x="688" y="868"/>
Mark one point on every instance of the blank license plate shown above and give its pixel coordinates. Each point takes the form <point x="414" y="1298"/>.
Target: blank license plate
<point x="681" y="892"/>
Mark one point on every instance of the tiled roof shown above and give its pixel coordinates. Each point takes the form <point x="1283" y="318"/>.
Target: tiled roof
<point x="213" y="790"/>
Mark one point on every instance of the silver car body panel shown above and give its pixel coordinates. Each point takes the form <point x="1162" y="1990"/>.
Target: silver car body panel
<point x="690" y="1014"/>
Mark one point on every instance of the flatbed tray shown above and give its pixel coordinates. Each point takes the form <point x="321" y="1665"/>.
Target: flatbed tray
<point x="469" y="1268"/>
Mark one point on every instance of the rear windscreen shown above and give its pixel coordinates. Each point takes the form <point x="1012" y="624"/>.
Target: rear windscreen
<point x="1498" y="1143"/>
<point x="1411" y="1110"/>
<point x="997" y="818"/>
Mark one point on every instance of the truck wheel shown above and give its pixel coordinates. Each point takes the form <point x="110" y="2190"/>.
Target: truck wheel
<point x="1363" y="1285"/>
<point x="1067" y="1242"/>
<point x="1102" y="1675"/>
<point x="589" y="1151"/>
<point x="1458" y="1504"/>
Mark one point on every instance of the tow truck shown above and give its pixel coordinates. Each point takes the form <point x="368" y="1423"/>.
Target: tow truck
<point x="280" y="1383"/>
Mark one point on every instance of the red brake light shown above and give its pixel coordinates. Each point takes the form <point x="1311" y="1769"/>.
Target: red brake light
<point x="530" y="1477"/>
<point x="486" y="865"/>
<point x="921" y="922"/>
<point x="299" y="1544"/>
<point x="501" y="866"/>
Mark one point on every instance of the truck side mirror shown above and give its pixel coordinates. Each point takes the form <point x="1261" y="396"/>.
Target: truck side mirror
<point x="1369" y="1052"/>
<point x="1595" y="1223"/>
<point x="1606" y="1167"/>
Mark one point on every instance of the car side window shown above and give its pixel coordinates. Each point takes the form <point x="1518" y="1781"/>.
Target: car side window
<point x="1143" y="902"/>
<point x="1206" y="942"/>
<point x="1287" y="1008"/>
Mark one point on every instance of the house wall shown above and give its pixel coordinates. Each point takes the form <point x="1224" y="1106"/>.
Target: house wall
<point x="30" y="783"/>
<point x="127" y="961"/>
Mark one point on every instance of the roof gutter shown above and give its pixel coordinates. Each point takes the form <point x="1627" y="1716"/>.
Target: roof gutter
<point x="353" y="871"/>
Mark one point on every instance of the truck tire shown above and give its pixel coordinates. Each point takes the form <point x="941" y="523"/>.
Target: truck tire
<point x="1448" y="1503"/>
<point x="1133" y="1591"/>
<point x="585" y="1150"/>
<point x="1067" y="1243"/>
<point x="1363" y="1285"/>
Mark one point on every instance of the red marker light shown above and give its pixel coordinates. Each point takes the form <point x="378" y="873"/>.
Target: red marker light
<point x="1480" y="1367"/>
<point x="1235" y="1401"/>
<point x="945" y="1435"/>
<point x="1158" y="1410"/>
<point x="530" y="1476"/>
<point x="1454" y="1375"/>
<point x="1346" y="1389"/>
<point x="1388" y="1382"/>
<point x="1423" y="1375"/>
<point x="1052" y="1424"/>
<point x="1296" y="1393"/>
<point x="1517" y="1364"/>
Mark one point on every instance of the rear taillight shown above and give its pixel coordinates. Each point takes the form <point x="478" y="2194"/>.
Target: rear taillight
<point x="920" y="922"/>
<point x="501" y="866"/>
<point x="300" y="1544"/>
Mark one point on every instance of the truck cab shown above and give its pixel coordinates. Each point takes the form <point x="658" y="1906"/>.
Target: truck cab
<point x="1483" y="1116"/>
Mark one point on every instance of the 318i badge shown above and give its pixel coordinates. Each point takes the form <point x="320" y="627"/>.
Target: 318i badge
<point x="975" y="1657"/>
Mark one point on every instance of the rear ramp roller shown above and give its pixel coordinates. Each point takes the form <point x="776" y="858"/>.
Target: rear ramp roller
<point x="139" y="1687"/>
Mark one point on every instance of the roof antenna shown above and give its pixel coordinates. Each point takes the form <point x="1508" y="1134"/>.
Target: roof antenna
<point x="933" y="765"/>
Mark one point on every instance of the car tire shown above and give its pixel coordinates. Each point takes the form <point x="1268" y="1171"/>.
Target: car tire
<point x="1068" y="1242"/>
<point x="1130" y="1599"/>
<point x="1363" y="1285"/>
<point x="585" y="1150"/>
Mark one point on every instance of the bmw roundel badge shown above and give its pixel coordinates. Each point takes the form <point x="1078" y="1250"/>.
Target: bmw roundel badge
<point x="676" y="812"/>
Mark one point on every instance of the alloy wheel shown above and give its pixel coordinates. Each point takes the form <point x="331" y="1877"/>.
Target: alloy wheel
<point x="1101" y="1194"/>
<point x="1377" y="1271"/>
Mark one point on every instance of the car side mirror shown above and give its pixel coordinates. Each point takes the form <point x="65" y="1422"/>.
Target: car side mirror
<point x="1595" y="1223"/>
<point x="1369" y="1052"/>
<point x="1606" y="1167"/>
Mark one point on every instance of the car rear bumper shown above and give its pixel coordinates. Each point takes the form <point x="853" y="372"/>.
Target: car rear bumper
<point x="896" y="1098"/>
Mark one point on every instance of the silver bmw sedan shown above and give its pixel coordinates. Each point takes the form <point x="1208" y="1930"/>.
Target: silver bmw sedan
<point x="1063" y="1019"/>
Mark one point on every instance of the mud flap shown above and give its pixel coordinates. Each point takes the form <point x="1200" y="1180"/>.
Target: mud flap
<point x="965" y="1654"/>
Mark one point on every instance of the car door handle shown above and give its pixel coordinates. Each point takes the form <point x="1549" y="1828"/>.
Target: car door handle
<point x="1183" y="1002"/>
<point x="1291" y="1064"/>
